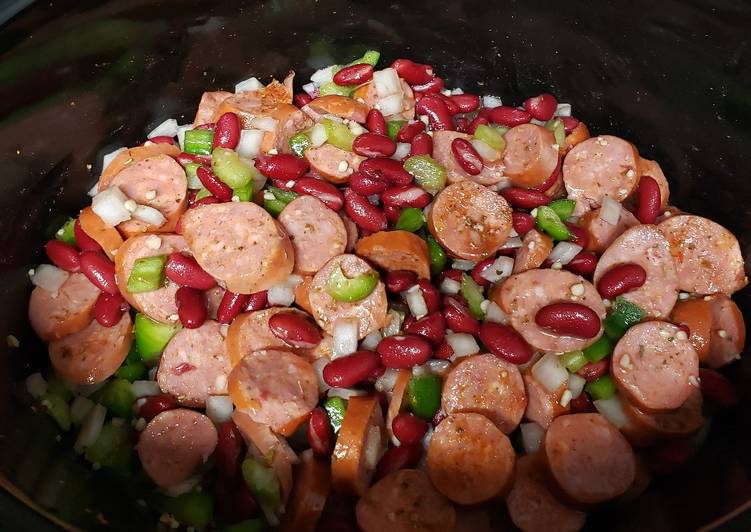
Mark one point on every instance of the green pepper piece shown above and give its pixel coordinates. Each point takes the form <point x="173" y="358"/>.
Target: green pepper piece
<point x="299" y="142"/>
<point x="490" y="136"/>
<point x="410" y="219"/>
<point x="473" y="293"/>
<point x="249" y="525"/>
<point x="65" y="233"/>
<point x="113" y="448"/>
<point x="151" y="337"/>
<point x="244" y="193"/>
<point x="131" y="371"/>
<point x="230" y="168"/>
<point x="598" y="350"/>
<point x="263" y="483"/>
<point x="437" y="256"/>
<point x="564" y="208"/>
<point x="602" y="388"/>
<point x="338" y="134"/>
<point x="275" y="199"/>
<point x="624" y="315"/>
<point x="370" y="57"/>
<point x="335" y="407"/>
<point x="559" y="131"/>
<point x="547" y="220"/>
<point x="203" y="193"/>
<point x="57" y="387"/>
<point x="191" y="170"/>
<point x="331" y="88"/>
<point x="574" y="360"/>
<point x="58" y="408"/>
<point x="195" y="508"/>
<point x="273" y="206"/>
<point x="501" y="129"/>
<point x="343" y="288"/>
<point x="429" y="173"/>
<point x="393" y="127"/>
<point x="117" y="397"/>
<point x="147" y="274"/>
<point x="198" y="141"/>
<point x="424" y="395"/>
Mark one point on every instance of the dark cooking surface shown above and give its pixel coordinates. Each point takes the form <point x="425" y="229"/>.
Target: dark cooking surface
<point x="76" y="82"/>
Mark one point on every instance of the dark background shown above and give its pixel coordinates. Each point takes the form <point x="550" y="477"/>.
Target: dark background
<point x="78" y="79"/>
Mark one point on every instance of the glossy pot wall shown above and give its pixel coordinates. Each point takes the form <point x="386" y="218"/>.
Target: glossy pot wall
<point x="78" y="80"/>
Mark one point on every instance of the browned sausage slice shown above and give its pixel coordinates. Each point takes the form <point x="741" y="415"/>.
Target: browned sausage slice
<point x="130" y="156"/>
<point x="195" y="364"/>
<point x="71" y="310"/>
<point x="311" y="489"/>
<point x="655" y="366"/>
<point x="523" y="294"/>
<point x="706" y="254"/>
<point x="491" y="174"/>
<point x="469" y="460"/>
<point x="536" y="247"/>
<point x="208" y="106"/>
<point x="531" y="155"/>
<point x="532" y="506"/>
<point x="589" y="460"/>
<point x="598" y="167"/>
<point x="370" y="312"/>
<point x="601" y="233"/>
<point x="728" y="334"/>
<point x="106" y="236"/>
<point x="683" y="421"/>
<point x="579" y="134"/>
<point x="542" y="406"/>
<point x="646" y="246"/>
<point x="396" y="250"/>
<point x="93" y="354"/>
<point x="341" y="106"/>
<point x="405" y="501"/>
<point x="239" y="244"/>
<point x="274" y="387"/>
<point x="696" y="314"/>
<point x="175" y="445"/>
<point x="469" y="220"/>
<point x="332" y="163"/>
<point x="487" y="385"/>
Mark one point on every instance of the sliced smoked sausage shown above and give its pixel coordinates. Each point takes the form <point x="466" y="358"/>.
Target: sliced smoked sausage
<point x="54" y="316"/>
<point x="333" y="164"/>
<point x="333" y="104"/>
<point x="128" y="156"/>
<point x="696" y="314"/>
<point x="647" y="427"/>
<point x="396" y="250"/>
<point x="106" y="236"/>
<point x="536" y="247"/>
<point x="531" y="155"/>
<point x="208" y="106"/>
<point x="728" y="335"/>
<point x="543" y="406"/>
<point x="601" y="233"/>
<point x="491" y="174"/>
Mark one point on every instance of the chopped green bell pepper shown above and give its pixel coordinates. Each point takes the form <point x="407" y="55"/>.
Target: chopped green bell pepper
<point x="598" y="350"/>
<point x="564" y="208"/>
<point x="370" y="57"/>
<point x="59" y="388"/>
<point x="424" y="395"/>
<point x="559" y="131"/>
<point x="602" y="388"/>
<point x="437" y="256"/>
<point x="343" y="288"/>
<point x="548" y="221"/>
<point x="230" y="168"/>
<point x="58" y="408"/>
<point x="275" y="199"/>
<point x="244" y="193"/>
<point x="623" y="315"/>
<point x="65" y="233"/>
<point x="429" y="173"/>
<point x="473" y="293"/>
<point x="338" y="134"/>
<point x="195" y="508"/>
<point x="393" y="127"/>
<point x="490" y="136"/>
<point x="117" y="397"/>
<point x="331" y="88"/>
<point x="113" y="448"/>
<point x="263" y="483"/>
<point x="147" y="274"/>
<point x="151" y="337"/>
<point x="410" y="219"/>
<point x="574" y="360"/>
<point x="198" y="141"/>
<point x="300" y="142"/>
<point x="335" y="407"/>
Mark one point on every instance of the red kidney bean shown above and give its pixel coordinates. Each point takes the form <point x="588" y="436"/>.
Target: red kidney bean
<point x="322" y="190"/>
<point x="552" y="179"/>
<point x="100" y="271"/>
<point x="63" y="255"/>
<point x="508" y="116"/>
<point x="404" y="351"/>
<point x="320" y="433"/>
<point x="161" y="139"/>
<point x="422" y="144"/>
<point x="183" y="270"/>
<point x="569" y="123"/>
<point x="367" y="185"/>
<point x="396" y="458"/>
<point x="570" y="319"/>
<point x="109" y="308"/>
<point x="649" y="200"/>
<point x="191" y="307"/>
<point x="230" y="306"/>
<point x="83" y="240"/>
<point x="435" y="109"/>
<point x="443" y="351"/>
<point x="504" y="342"/>
<point x="257" y="301"/>
<point x="467" y="103"/>
<point x="208" y="200"/>
<point x="227" y="132"/>
<point x="431" y="327"/>
<point x="621" y="279"/>
<point x="411" y="72"/>
<point x="302" y="99"/>
<point x="389" y="169"/>
<point x="354" y="75"/>
<point x="435" y="85"/>
<point x="409" y="429"/>
<point x="375" y="123"/>
<point x="581" y="404"/>
<point x="453" y="109"/>
<point x="230" y="451"/>
<point x="410" y="130"/>
<point x="476" y="122"/>
<point x="213" y="184"/>
<point x="345" y="372"/>
<point x="373" y="145"/>
<point x="466" y="155"/>
<point x="294" y="329"/>
<point x="461" y="124"/>
<point x="458" y="318"/>
<point x="583" y="264"/>
<point x="392" y="214"/>
<point x="480" y="267"/>
<point x="400" y="280"/>
<point x="522" y="222"/>
<point x="187" y="158"/>
<point x="283" y="166"/>
<point x="524" y="198"/>
<point x="155" y="405"/>
<point x="579" y="236"/>
<point x="594" y="370"/>
<point x="430" y="294"/>
<point x="406" y="196"/>
<point x="365" y="215"/>
<point x="484" y="112"/>
<point x="716" y="388"/>
<point x="451" y="273"/>
<point x="541" y="107"/>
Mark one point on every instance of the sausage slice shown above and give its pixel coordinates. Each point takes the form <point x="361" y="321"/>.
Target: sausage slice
<point x="311" y="489"/>
<point x="492" y="172"/>
<point x="106" y="236"/>
<point x="543" y="406"/>
<point x="650" y="426"/>
<point x="341" y="106"/>
<point x="601" y="233"/>
<point x="208" y="106"/>
<point x="696" y="314"/>
<point x="536" y="247"/>
<point x="53" y="317"/>
<point x="531" y="155"/>
<point x="332" y="163"/>
<point x="396" y="250"/>
<point x="130" y="156"/>
<point x="728" y="335"/>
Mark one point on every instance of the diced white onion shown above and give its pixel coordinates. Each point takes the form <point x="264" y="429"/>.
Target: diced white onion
<point x="462" y="264"/>
<point x="610" y="211"/>
<point x="91" y="428"/>
<point x="563" y="109"/>
<point x="356" y="128"/>
<point x="323" y="75"/>
<point x="281" y="294"/>
<point x="345" y="338"/>
<point x="576" y="385"/>
<point x="532" y="434"/>
<point x="402" y="150"/>
<point x="345" y="393"/>
<point x="36" y="385"/>
<point x="49" y="278"/>
<point x="395" y="323"/>
<point x="311" y="90"/>
<point x="250" y="84"/>
<point x="550" y="372"/>
<point x="107" y="159"/>
<point x="387" y="83"/>
<point x="391" y="105"/>
<point x="612" y="409"/>
<point x="318" y="366"/>
<point x="194" y="183"/>
<point x="416" y="301"/>
<point x="152" y="373"/>
<point x="149" y="215"/>
<point x="421" y="369"/>
<point x="144" y="388"/>
<point x="385" y="383"/>
<point x="80" y="408"/>
<point x="512" y="243"/>
<point x="250" y="143"/>
<point x="457" y="91"/>
<point x="564" y="252"/>
<point x="485" y="150"/>
<point x="495" y="314"/>
<point x="449" y="286"/>
<point x="537" y="122"/>
<point x="371" y="341"/>
<point x="264" y="123"/>
<point x="94" y="190"/>
<point x="501" y="268"/>
<point x="168" y="128"/>
<point x="462" y="344"/>
<point x="318" y="135"/>
<point x="109" y="205"/>
<point x="490" y="101"/>
<point x="437" y="366"/>
<point x="183" y="487"/>
<point x="219" y="408"/>
<point x="181" y="134"/>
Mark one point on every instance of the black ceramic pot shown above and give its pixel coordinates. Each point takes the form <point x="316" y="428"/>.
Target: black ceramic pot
<point x="78" y="79"/>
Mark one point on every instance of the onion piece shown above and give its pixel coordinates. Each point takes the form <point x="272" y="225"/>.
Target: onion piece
<point x="250" y="84"/>
<point x="264" y="123"/>
<point x="149" y="215"/>
<point x="421" y="369"/>
<point x="183" y="487"/>
<point x="345" y="338"/>
<point x="495" y="314"/>
<point x="612" y="409"/>
<point x="462" y="344"/>
<point x="144" y="388"/>
<point x="462" y="264"/>
<point x="490" y="101"/>
<point x="402" y="150"/>
<point x="318" y="135"/>
<point x="610" y="212"/>
<point x="80" y="408"/>
<point x="91" y="428"/>
<point x="385" y="383"/>
<point x="371" y="341"/>
<point x="391" y="104"/>
<point x="49" y="278"/>
<point x="318" y="366"/>
<point x="311" y="90"/>
<point x="107" y="159"/>
<point x="436" y="366"/>
<point x="36" y="385"/>
<point x="549" y="372"/>
<point x="512" y="243"/>
<point x="396" y="318"/>
<point x="346" y="393"/>
<point x="168" y="128"/>
<point x="563" y="109"/>
<point x="576" y="385"/>
<point x="449" y="286"/>
<point x="250" y="143"/>
<point x="109" y="205"/>
<point x="501" y="268"/>
<point x="323" y="75"/>
<point x="415" y="301"/>
<point x="564" y="252"/>
<point x="356" y="128"/>
<point x="532" y="434"/>
<point x="281" y="294"/>
<point x="181" y="134"/>
<point x="219" y="408"/>
<point x="386" y="83"/>
<point x="457" y="91"/>
<point x="485" y="150"/>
